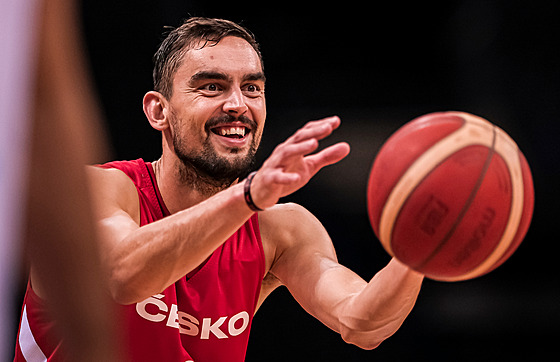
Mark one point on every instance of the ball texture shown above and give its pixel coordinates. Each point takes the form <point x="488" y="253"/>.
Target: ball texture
<point x="450" y="195"/>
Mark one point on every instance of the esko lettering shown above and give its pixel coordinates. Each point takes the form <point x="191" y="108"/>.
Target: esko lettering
<point x="189" y="324"/>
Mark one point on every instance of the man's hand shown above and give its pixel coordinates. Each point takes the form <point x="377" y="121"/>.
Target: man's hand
<point x="291" y="165"/>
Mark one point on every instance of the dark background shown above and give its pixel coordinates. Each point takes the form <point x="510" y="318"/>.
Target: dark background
<point x="377" y="65"/>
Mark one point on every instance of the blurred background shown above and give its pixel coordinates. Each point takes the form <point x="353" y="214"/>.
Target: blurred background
<point x="377" y="65"/>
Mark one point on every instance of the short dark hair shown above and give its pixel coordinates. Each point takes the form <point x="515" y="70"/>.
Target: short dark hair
<point x="170" y="53"/>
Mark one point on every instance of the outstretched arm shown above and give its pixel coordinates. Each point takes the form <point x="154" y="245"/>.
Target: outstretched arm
<point x="142" y="261"/>
<point x="363" y="313"/>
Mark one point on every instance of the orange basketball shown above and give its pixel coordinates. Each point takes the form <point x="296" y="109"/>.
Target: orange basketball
<point x="450" y="195"/>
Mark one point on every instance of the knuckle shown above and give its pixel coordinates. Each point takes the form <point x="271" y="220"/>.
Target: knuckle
<point x="281" y="150"/>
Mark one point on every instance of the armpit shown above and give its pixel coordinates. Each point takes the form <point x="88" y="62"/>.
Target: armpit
<point x="269" y="283"/>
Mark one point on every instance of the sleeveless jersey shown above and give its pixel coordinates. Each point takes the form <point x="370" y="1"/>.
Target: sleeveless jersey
<point x="205" y="316"/>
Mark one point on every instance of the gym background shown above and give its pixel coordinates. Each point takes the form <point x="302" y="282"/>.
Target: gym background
<point x="377" y="65"/>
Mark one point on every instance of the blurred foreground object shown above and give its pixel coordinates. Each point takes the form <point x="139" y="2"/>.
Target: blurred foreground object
<point x="58" y="132"/>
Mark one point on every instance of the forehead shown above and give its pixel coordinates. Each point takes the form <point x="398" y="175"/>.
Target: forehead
<point x="231" y="55"/>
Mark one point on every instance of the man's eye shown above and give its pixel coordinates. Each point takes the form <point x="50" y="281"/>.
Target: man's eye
<point x="252" y="89"/>
<point x="212" y="87"/>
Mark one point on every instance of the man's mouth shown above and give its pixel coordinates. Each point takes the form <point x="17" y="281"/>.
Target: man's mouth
<point x="231" y="131"/>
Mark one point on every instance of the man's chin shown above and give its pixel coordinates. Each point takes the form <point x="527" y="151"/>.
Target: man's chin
<point x="217" y="170"/>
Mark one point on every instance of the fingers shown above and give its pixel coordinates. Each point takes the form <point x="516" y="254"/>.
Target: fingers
<point x="306" y="140"/>
<point x="316" y="162"/>
<point x="287" y="151"/>
<point x="328" y="156"/>
<point x="316" y="129"/>
<point x="293" y="163"/>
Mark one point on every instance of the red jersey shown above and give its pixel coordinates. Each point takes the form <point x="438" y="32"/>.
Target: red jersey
<point x="205" y="316"/>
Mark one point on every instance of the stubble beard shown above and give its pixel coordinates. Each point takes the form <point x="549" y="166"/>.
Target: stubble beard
<point x="208" y="172"/>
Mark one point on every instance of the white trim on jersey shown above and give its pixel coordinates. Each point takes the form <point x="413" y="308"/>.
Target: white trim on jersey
<point x="29" y="347"/>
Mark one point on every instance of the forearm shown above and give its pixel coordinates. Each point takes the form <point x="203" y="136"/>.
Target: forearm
<point x="144" y="261"/>
<point x="381" y="307"/>
<point x="156" y="255"/>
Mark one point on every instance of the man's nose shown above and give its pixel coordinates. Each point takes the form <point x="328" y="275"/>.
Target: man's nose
<point x="235" y="103"/>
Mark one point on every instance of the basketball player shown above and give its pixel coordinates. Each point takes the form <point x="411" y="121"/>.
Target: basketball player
<point x="192" y="247"/>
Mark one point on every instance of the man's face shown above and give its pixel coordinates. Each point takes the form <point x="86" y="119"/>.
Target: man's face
<point x="218" y="110"/>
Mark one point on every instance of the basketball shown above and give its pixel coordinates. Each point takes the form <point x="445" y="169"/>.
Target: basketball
<point x="450" y="195"/>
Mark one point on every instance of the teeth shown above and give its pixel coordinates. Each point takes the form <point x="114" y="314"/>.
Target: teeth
<point x="228" y="131"/>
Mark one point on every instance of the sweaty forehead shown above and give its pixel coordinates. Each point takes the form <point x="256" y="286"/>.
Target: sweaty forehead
<point x="231" y="55"/>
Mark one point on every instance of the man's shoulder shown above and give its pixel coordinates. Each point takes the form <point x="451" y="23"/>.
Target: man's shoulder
<point x="284" y="223"/>
<point x="108" y="176"/>
<point x="112" y="187"/>
<point x="120" y="171"/>
<point x="130" y="167"/>
<point x="283" y="215"/>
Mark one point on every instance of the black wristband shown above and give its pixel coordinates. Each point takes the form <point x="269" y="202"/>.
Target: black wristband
<point x="247" y="193"/>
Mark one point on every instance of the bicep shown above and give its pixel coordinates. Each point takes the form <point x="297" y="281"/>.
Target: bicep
<point x="307" y="265"/>
<point x="115" y="204"/>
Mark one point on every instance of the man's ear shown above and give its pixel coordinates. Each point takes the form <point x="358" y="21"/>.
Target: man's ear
<point x="155" y="109"/>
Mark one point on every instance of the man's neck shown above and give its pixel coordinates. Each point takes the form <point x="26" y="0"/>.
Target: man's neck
<point x="181" y="188"/>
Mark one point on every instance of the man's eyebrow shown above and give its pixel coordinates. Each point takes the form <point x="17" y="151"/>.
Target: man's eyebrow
<point x="208" y="75"/>
<point x="254" y="77"/>
<point x="214" y="75"/>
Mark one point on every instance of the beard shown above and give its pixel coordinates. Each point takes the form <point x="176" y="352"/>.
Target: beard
<point x="206" y="170"/>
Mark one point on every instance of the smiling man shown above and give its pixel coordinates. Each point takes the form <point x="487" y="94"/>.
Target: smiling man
<point x="192" y="247"/>
<point x="222" y="137"/>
